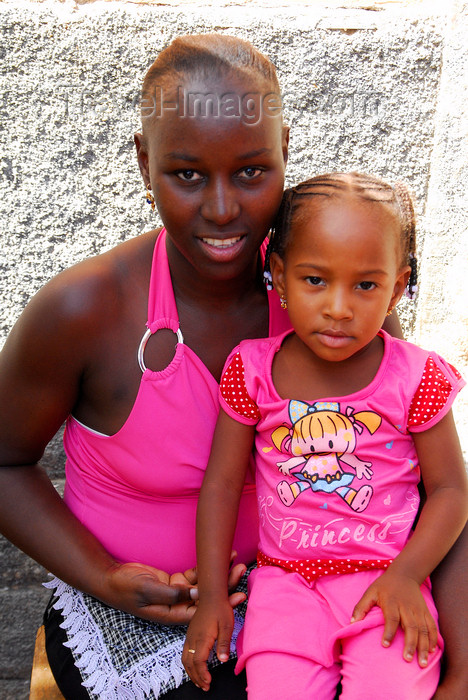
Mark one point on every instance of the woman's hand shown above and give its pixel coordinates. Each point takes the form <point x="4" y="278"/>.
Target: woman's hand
<point x="213" y="622"/>
<point x="153" y="594"/>
<point x="402" y="603"/>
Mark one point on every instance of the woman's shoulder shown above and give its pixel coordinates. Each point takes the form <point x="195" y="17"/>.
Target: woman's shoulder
<point x="79" y="305"/>
<point x="95" y="288"/>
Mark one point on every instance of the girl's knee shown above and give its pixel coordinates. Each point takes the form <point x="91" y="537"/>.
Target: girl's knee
<point x="383" y="673"/>
<point x="276" y="676"/>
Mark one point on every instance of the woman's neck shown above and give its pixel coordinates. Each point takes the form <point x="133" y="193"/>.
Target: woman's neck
<point x="191" y="288"/>
<point x="217" y="314"/>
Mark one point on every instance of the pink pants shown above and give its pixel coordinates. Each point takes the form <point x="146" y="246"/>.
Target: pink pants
<point x="297" y="642"/>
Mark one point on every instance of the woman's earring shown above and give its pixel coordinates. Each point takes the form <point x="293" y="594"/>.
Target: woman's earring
<point x="283" y="302"/>
<point x="389" y="312"/>
<point x="149" y="196"/>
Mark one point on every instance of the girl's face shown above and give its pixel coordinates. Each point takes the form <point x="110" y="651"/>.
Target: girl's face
<point x="341" y="273"/>
<point x="217" y="179"/>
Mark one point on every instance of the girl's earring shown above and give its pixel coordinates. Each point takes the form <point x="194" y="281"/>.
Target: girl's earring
<point x="389" y="312"/>
<point x="283" y="302"/>
<point x="149" y="196"/>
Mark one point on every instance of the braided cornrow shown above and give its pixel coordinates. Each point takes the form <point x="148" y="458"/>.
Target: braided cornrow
<point x="364" y="186"/>
<point x="408" y="234"/>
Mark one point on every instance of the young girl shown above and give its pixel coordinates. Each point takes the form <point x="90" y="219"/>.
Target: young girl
<point x="345" y="419"/>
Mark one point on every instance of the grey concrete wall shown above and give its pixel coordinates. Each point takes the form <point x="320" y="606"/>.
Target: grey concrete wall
<point x="375" y="89"/>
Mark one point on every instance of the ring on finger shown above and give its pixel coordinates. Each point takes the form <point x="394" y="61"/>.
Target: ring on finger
<point x="191" y="651"/>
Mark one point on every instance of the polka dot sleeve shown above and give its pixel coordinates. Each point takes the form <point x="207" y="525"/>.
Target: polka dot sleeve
<point x="434" y="395"/>
<point x="234" y="392"/>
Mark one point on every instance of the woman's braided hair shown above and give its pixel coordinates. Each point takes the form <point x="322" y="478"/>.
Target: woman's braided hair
<point x="366" y="187"/>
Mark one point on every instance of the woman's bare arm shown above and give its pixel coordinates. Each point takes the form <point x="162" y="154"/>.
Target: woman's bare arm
<point x="41" y="370"/>
<point x="392" y="325"/>
<point x="450" y="589"/>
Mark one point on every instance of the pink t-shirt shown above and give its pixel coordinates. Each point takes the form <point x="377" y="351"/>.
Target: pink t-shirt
<point x="137" y="490"/>
<point x="337" y="477"/>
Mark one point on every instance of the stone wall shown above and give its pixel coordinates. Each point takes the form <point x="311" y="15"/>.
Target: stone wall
<point x="374" y="86"/>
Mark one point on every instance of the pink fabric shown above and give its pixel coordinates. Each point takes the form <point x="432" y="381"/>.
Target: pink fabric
<point x="307" y="626"/>
<point x="137" y="490"/>
<point x="337" y="477"/>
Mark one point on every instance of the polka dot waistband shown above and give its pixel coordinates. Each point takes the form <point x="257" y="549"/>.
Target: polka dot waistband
<point x="312" y="569"/>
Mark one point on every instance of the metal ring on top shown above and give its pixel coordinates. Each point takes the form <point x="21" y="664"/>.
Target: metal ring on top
<point x="144" y="341"/>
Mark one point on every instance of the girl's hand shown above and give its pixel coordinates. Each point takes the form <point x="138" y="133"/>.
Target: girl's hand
<point x="402" y="603"/>
<point x="213" y="622"/>
<point x="364" y="469"/>
<point x="286" y="466"/>
<point x="152" y="594"/>
<point x="209" y="625"/>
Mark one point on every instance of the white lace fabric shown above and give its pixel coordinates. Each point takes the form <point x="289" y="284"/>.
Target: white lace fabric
<point x="120" y="656"/>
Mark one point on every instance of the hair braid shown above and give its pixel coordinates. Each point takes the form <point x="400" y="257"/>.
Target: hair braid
<point x="282" y="224"/>
<point x="408" y="234"/>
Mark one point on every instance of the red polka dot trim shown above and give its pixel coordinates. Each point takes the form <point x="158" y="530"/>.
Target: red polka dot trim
<point x="312" y="569"/>
<point x="431" y="396"/>
<point x="234" y="391"/>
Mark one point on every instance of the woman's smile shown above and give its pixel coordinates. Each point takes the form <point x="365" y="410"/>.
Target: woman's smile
<point x="223" y="249"/>
<point x="220" y="243"/>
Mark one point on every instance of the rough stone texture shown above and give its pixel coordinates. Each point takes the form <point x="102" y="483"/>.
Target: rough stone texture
<point x="20" y="615"/>
<point x="379" y="89"/>
<point x="442" y="319"/>
<point x="14" y="690"/>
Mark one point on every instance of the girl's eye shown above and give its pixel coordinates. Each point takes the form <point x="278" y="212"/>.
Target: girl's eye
<point x="188" y="175"/>
<point x="314" y="281"/>
<point x="366" y="285"/>
<point x="250" y="173"/>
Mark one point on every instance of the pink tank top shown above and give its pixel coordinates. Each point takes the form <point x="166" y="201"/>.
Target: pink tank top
<point x="137" y="490"/>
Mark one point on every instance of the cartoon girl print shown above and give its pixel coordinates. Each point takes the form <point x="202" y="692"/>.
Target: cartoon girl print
<point x="321" y="438"/>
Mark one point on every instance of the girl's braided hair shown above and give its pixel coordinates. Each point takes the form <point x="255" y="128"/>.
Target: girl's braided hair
<point x="366" y="187"/>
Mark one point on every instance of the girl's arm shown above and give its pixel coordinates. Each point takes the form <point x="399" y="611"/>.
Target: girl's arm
<point x="216" y="521"/>
<point x="441" y="521"/>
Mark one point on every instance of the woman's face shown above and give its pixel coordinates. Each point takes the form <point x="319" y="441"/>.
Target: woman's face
<point x="215" y="163"/>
